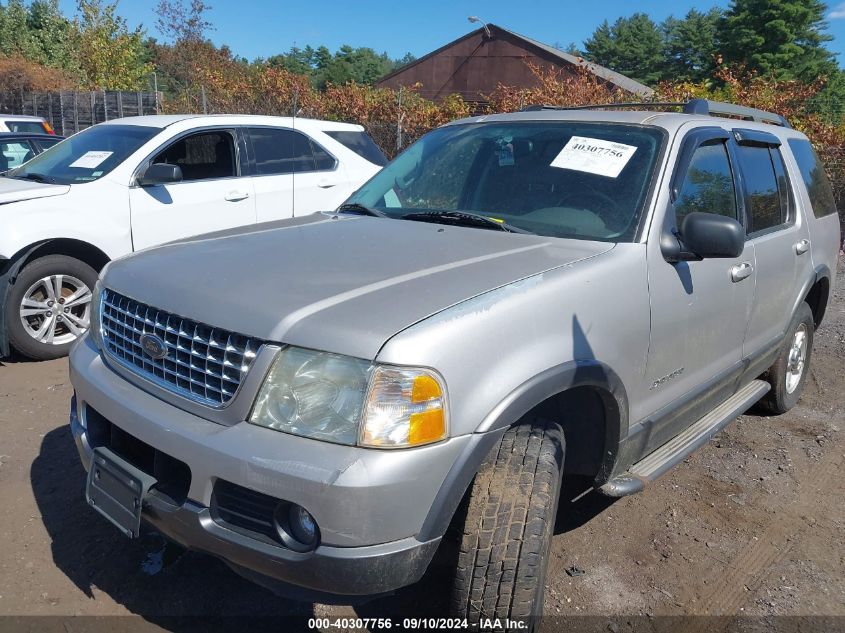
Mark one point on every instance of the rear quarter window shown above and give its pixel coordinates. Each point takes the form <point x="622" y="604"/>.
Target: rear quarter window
<point x="361" y="144"/>
<point x="815" y="178"/>
<point x="25" y="127"/>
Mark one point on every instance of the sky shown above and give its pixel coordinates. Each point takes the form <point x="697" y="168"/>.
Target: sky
<point x="260" y="28"/>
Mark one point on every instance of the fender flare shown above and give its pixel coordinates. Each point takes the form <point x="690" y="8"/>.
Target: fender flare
<point x="555" y="380"/>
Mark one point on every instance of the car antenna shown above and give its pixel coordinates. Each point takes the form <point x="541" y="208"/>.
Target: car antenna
<point x="293" y="150"/>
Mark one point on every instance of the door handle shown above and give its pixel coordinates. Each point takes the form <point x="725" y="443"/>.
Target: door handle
<point x="802" y="247"/>
<point x="235" y="196"/>
<point x="741" y="271"/>
<point x="326" y="184"/>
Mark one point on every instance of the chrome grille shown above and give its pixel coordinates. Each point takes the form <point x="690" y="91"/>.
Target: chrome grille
<point x="203" y="363"/>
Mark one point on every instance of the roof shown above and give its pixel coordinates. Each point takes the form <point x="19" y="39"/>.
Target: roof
<point x="670" y="121"/>
<point x="611" y="76"/>
<point x="618" y="79"/>
<point x="11" y="136"/>
<point x="165" y="120"/>
<point x="21" y="117"/>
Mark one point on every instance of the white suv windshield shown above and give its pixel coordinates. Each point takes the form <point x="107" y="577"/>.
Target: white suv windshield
<point x="86" y="156"/>
<point x="555" y="178"/>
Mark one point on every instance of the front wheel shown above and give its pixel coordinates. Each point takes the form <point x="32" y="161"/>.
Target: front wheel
<point x="506" y="533"/>
<point x="49" y="306"/>
<point x="788" y="374"/>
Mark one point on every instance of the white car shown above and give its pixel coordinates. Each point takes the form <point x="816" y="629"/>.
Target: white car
<point x="132" y="183"/>
<point x="24" y="124"/>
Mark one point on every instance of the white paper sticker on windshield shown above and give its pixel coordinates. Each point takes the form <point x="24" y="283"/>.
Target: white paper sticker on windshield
<point x="594" y="156"/>
<point x="90" y="160"/>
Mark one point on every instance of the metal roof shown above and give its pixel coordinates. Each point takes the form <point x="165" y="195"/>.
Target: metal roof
<point x="618" y="79"/>
<point x="611" y="76"/>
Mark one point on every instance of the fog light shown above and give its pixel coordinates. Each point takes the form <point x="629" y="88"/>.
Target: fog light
<point x="296" y="527"/>
<point x="302" y="525"/>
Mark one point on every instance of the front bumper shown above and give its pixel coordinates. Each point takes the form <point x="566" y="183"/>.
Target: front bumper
<point x="368" y="504"/>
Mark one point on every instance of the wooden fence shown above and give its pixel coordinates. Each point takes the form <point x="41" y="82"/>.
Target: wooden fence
<point x="69" y="111"/>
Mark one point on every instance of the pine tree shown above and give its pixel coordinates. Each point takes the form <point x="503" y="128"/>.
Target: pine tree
<point x="690" y="47"/>
<point x="781" y="37"/>
<point x="632" y="46"/>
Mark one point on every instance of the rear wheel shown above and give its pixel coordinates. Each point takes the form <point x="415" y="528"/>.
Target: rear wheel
<point x="788" y="374"/>
<point x="50" y="306"/>
<point x="506" y="532"/>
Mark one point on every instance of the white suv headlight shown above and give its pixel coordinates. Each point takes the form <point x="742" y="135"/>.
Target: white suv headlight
<point x="348" y="400"/>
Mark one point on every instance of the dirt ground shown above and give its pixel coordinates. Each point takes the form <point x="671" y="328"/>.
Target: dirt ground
<point x="753" y="524"/>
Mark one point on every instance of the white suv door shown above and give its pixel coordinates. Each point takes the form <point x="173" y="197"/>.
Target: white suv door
<point x="211" y="196"/>
<point x="293" y="174"/>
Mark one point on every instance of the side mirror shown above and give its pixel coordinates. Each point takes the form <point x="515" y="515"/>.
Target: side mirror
<point x="710" y="235"/>
<point x="160" y="174"/>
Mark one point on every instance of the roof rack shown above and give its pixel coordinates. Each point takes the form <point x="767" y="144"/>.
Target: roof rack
<point x="693" y="106"/>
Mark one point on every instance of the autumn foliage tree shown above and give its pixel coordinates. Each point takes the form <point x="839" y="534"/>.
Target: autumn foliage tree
<point x="110" y="54"/>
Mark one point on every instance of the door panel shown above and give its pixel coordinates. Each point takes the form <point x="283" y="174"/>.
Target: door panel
<point x="699" y="309"/>
<point x="294" y="175"/>
<point x="168" y="212"/>
<point x="210" y="197"/>
<point x="780" y="239"/>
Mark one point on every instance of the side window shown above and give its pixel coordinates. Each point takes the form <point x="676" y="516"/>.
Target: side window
<point x="815" y="178"/>
<point x="14" y="153"/>
<point x="280" y="151"/>
<point x="767" y="206"/>
<point x="202" y="156"/>
<point x="708" y="186"/>
<point x="47" y="143"/>
<point x="323" y="161"/>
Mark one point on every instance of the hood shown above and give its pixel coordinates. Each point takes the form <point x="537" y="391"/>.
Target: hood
<point x="344" y="285"/>
<point x="15" y="190"/>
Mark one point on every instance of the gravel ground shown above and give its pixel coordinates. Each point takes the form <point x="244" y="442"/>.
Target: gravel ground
<point x="753" y="524"/>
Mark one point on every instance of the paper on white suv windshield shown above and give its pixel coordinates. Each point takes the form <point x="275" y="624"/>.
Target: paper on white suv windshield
<point x="594" y="156"/>
<point x="90" y="160"/>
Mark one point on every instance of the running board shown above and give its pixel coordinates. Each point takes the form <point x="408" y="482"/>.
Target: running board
<point x="682" y="445"/>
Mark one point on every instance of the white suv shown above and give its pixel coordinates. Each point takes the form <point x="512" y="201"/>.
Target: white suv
<point x="24" y="124"/>
<point x="132" y="183"/>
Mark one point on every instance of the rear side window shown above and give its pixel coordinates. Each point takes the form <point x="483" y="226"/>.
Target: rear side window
<point x="14" y="154"/>
<point x="45" y="143"/>
<point x="709" y="185"/>
<point x="361" y="144"/>
<point x="815" y="178"/>
<point x="26" y="127"/>
<point x="280" y="151"/>
<point x="202" y="156"/>
<point x="765" y="186"/>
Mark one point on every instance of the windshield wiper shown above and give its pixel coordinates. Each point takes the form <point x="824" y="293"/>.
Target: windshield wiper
<point x="360" y="209"/>
<point x="463" y="218"/>
<point x="32" y="176"/>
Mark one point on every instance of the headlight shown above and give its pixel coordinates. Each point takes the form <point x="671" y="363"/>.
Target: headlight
<point x="347" y="400"/>
<point x="94" y="315"/>
<point x="315" y="394"/>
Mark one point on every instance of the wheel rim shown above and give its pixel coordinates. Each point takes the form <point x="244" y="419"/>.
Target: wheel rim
<point x="56" y="310"/>
<point x="797" y="358"/>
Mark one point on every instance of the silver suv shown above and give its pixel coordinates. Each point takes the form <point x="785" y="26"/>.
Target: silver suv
<point x="515" y="299"/>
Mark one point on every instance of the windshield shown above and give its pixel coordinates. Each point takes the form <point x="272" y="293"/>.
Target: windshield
<point x="555" y="178"/>
<point x="86" y="156"/>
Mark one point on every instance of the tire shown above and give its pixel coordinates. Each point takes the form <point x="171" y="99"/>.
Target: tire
<point x="786" y="386"/>
<point x="36" y="283"/>
<point x="506" y="532"/>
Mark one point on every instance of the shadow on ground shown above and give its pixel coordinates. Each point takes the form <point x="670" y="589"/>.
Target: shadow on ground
<point x="170" y="587"/>
<point x="167" y="586"/>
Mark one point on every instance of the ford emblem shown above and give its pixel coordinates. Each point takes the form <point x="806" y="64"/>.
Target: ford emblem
<point x="153" y="346"/>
